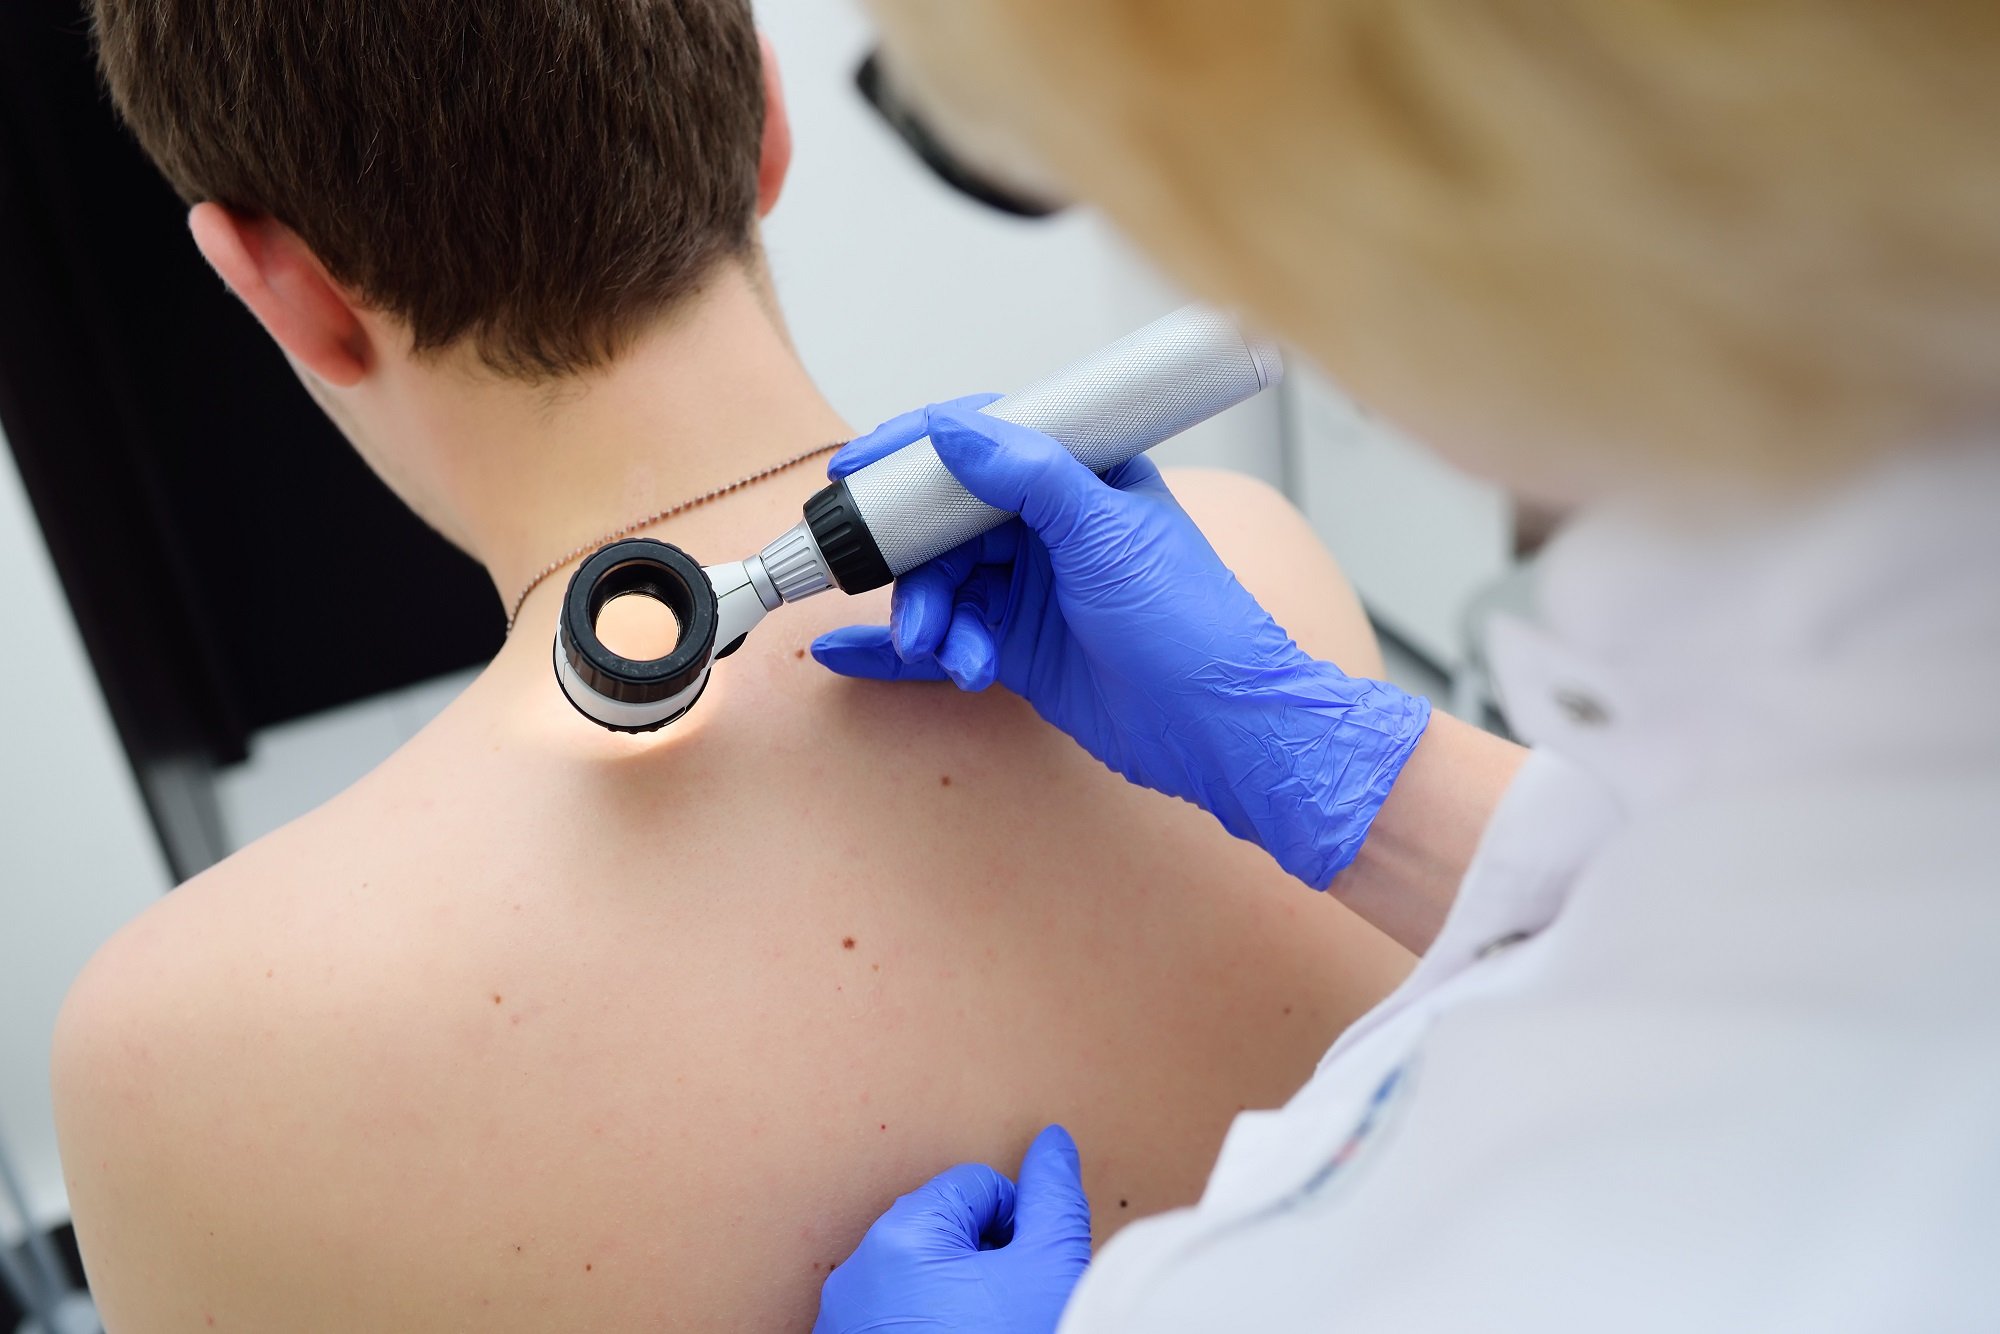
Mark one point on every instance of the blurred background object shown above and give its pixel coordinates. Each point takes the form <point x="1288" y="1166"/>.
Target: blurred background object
<point x="196" y="573"/>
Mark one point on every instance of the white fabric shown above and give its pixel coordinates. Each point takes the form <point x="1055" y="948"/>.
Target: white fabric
<point x="1744" y="1074"/>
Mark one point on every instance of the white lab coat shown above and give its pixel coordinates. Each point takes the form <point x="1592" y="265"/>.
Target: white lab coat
<point x="1711" y="1038"/>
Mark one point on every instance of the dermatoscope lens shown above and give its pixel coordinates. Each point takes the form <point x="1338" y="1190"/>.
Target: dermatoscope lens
<point x="638" y="626"/>
<point x="637" y="635"/>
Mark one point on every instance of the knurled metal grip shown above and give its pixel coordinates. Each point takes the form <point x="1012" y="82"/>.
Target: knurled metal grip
<point x="906" y="508"/>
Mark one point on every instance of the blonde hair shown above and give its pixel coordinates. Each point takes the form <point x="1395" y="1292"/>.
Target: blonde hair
<point x="1762" y="236"/>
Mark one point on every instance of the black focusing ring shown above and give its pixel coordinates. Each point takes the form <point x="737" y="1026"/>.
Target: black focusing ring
<point x="663" y="572"/>
<point x="845" y="544"/>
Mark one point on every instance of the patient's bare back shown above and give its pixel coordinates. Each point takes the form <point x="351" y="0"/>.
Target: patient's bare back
<point x="538" y="1027"/>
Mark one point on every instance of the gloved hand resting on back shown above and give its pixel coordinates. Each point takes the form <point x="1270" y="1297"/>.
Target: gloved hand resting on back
<point x="1105" y="607"/>
<point x="970" y="1252"/>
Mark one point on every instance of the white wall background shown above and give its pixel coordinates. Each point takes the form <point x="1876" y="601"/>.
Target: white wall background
<point x="898" y="292"/>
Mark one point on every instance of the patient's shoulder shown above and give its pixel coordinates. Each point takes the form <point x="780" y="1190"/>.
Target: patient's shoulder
<point x="212" y="957"/>
<point x="195" y="1063"/>
<point x="1275" y="552"/>
<point x="139" y="1048"/>
<point x="262" y="971"/>
<point x="150" y="1000"/>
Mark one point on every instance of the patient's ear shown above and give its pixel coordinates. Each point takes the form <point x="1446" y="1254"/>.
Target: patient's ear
<point x="775" y="159"/>
<point x="281" y="280"/>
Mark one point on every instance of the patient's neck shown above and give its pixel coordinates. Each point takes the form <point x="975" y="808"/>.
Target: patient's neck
<point x="712" y="393"/>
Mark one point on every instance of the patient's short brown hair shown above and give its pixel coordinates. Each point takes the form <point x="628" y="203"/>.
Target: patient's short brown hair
<point x="540" y="176"/>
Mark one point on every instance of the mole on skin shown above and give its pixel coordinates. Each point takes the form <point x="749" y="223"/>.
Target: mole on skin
<point x="944" y="780"/>
<point x="847" y="942"/>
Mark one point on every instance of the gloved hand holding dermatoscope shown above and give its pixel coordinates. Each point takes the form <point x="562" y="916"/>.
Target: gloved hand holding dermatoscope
<point x="891" y="516"/>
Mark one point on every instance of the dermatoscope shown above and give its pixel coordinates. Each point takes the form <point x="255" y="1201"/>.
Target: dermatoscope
<point x="891" y="516"/>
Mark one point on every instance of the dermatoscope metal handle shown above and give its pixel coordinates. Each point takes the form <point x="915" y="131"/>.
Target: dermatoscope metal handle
<point x="1116" y="403"/>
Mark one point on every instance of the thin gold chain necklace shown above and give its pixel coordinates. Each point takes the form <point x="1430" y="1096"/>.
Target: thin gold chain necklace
<point x="658" y="516"/>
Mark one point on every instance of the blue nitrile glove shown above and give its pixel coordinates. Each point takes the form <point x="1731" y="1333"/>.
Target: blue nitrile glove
<point x="1106" y="608"/>
<point x="970" y="1252"/>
